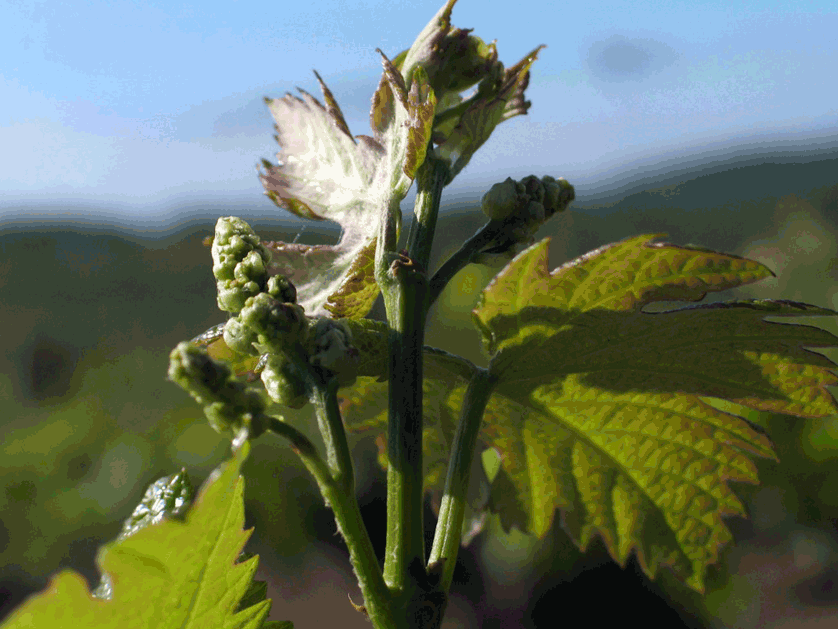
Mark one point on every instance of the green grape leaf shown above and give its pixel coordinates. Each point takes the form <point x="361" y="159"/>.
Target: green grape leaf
<point x="166" y="575"/>
<point x="599" y="409"/>
<point x="323" y="173"/>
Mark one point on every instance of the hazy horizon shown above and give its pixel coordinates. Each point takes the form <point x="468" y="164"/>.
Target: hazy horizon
<point x="92" y="121"/>
<point x="170" y="213"/>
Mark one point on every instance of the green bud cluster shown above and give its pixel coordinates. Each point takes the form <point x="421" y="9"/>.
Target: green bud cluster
<point x="280" y="288"/>
<point x="517" y="210"/>
<point x="269" y="323"/>
<point x="278" y="332"/>
<point x="265" y="325"/>
<point x="239" y="263"/>
<point x="531" y="200"/>
<point x="227" y="402"/>
<point x="284" y="381"/>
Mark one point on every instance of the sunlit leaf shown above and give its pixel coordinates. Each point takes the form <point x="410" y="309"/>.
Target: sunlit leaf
<point x="598" y="410"/>
<point x="168" y="575"/>
<point x="601" y="409"/>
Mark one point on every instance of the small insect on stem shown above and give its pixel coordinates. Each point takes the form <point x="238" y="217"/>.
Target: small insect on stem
<point x="260" y="366"/>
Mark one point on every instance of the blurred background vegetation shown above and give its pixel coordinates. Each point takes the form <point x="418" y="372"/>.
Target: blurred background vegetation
<point x="90" y="313"/>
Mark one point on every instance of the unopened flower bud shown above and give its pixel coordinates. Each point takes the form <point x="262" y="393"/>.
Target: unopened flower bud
<point x="227" y="402"/>
<point x="280" y="288"/>
<point x="283" y="381"/>
<point x="239" y="263"/>
<point x="534" y="213"/>
<point x="276" y="324"/>
<point x="533" y="188"/>
<point x="240" y="337"/>
<point x="502" y="200"/>
<point x="558" y="194"/>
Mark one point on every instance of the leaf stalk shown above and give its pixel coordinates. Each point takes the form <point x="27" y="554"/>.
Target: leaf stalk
<point x="481" y="240"/>
<point x="452" y="509"/>
<point x="338" y="454"/>
<point x="377" y="602"/>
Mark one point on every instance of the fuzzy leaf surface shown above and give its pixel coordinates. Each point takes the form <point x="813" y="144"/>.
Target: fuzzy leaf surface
<point x="598" y="410"/>
<point x="324" y="173"/>
<point x="167" y="575"/>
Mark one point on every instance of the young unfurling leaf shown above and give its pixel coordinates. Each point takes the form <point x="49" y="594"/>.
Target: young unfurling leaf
<point x="454" y="61"/>
<point x="325" y="173"/>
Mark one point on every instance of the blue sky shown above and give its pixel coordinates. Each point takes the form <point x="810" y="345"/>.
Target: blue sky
<point x="144" y="104"/>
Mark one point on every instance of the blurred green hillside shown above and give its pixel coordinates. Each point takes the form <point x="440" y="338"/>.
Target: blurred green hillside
<point x="89" y="420"/>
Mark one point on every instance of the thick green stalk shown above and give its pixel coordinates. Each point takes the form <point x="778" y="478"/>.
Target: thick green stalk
<point x="404" y="285"/>
<point x="449" y="526"/>
<point x="430" y="179"/>
<point x="377" y="603"/>
<point x="405" y="535"/>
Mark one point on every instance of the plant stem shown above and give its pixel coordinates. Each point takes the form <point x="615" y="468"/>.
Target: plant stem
<point x="430" y="179"/>
<point x="404" y="286"/>
<point x="338" y="455"/>
<point x="349" y="522"/>
<point x="405" y="534"/>
<point x="482" y="239"/>
<point x="452" y="509"/>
